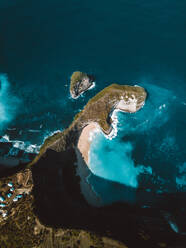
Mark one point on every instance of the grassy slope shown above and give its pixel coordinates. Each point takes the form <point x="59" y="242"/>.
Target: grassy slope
<point x="76" y="77"/>
<point x="18" y="231"/>
<point x="97" y="110"/>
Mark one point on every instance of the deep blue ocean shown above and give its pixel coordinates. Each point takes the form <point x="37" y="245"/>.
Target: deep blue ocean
<point x="123" y="41"/>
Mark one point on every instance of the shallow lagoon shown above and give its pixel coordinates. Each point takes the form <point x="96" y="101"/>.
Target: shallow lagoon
<point x="147" y="157"/>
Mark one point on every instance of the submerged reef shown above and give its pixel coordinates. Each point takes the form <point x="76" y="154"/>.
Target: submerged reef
<point x="52" y="212"/>
<point x="79" y="83"/>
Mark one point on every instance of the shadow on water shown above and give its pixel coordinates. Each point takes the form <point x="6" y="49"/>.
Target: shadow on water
<point x="59" y="203"/>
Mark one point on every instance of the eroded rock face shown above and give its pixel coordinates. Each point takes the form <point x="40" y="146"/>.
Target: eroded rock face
<point x="80" y="82"/>
<point x="133" y="101"/>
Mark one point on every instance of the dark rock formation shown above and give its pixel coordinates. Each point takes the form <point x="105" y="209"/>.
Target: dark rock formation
<point x="80" y="82"/>
<point x="55" y="213"/>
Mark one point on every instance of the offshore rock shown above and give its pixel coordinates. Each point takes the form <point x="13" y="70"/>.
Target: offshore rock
<point x="79" y="83"/>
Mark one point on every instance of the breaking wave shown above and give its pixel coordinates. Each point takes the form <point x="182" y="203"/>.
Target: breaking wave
<point x="142" y="150"/>
<point x="20" y="145"/>
<point x="8" y="102"/>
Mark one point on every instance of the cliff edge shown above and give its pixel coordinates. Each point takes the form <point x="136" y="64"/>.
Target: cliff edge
<point x="79" y="83"/>
<point x="42" y="204"/>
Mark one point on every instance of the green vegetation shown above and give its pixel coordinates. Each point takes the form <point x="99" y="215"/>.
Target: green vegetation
<point x="76" y="77"/>
<point x="55" y="213"/>
<point x="96" y="110"/>
<point x="49" y="141"/>
<point x="116" y="90"/>
<point x="18" y="230"/>
<point x="100" y="106"/>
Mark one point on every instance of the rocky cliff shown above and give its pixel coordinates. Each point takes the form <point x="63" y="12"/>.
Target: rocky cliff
<point x="52" y="212"/>
<point x="79" y="83"/>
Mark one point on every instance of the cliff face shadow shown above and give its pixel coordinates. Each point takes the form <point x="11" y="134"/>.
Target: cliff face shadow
<point x="60" y="203"/>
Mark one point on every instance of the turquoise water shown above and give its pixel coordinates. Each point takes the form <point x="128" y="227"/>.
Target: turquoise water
<point x="147" y="155"/>
<point x="127" y="42"/>
<point x="8" y="103"/>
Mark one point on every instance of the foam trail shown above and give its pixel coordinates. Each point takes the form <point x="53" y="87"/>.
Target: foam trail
<point x="21" y="145"/>
<point x="113" y="160"/>
<point x="92" y="86"/>
<point x="49" y="134"/>
<point x="8" y="103"/>
<point x="114" y="125"/>
<point x="24" y="145"/>
<point x="121" y="167"/>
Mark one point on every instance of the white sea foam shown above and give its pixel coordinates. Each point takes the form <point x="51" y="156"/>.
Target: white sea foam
<point x="114" y="125"/>
<point x="82" y="94"/>
<point x="113" y="161"/>
<point x="48" y="134"/>
<point x="5" y="138"/>
<point x="121" y="167"/>
<point x="162" y="106"/>
<point x="21" y="145"/>
<point x="26" y="146"/>
<point x="93" y="133"/>
<point x="8" y="103"/>
<point x="13" y="152"/>
<point x="92" y="86"/>
<point x="11" y="129"/>
<point x="34" y="131"/>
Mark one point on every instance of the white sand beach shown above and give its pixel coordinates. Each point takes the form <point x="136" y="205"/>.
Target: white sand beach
<point x="83" y="147"/>
<point x="85" y="140"/>
<point x="82" y="152"/>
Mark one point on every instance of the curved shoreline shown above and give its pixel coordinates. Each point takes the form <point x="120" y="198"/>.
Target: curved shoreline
<point x="83" y="149"/>
<point x="85" y="137"/>
<point x="83" y="169"/>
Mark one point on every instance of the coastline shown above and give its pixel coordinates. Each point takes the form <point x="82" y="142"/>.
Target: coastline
<point x="86" y="135"/>
<point x="83" y="169"/>
<point x="83" y="148"/>
<point x="83" y="172"/>
<point x="93" y="85"/>
<point x="85" y="139"/>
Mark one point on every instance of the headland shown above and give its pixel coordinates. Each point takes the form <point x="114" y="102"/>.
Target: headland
<point x="53" y="211"/>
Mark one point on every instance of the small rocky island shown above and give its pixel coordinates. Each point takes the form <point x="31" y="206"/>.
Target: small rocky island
<point x="42" y="203"/>
<point x="79" y="83"/>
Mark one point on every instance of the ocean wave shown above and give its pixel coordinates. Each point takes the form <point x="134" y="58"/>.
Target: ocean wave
<point x="112" y="160"/>
<point x="34" y="131"/>
<point x="114" y="125"/>
<point x="20" y="145"/>
<point x="115" y="160"/>
<point x="92" y="86"/>
<point x="8" y="102"/>
<point x="50" y="133"/>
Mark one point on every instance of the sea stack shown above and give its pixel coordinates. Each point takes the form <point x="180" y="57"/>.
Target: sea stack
<point x="79" y="83"/>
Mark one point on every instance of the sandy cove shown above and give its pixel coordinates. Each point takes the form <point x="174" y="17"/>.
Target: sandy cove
<point x="87" y="132"/>
<point x="82" y="152"/>
<point x="85" y="140"/>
